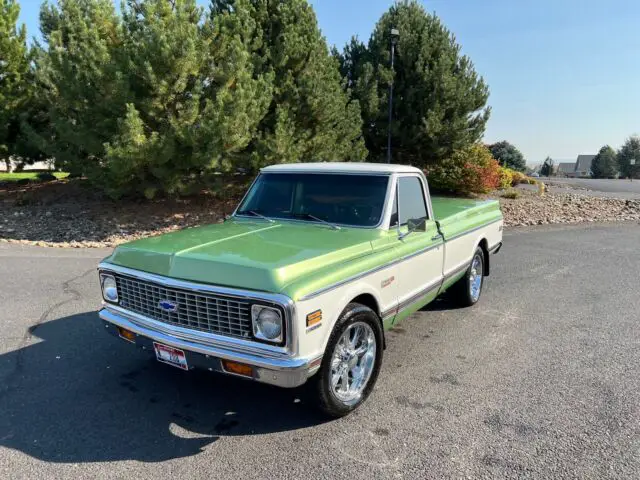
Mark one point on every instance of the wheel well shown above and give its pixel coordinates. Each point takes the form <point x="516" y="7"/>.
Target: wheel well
<point x="485" y="249"/>
<point x="369" y="300"/>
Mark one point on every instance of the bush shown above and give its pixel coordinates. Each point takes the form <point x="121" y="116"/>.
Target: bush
<point x="511" y="193"/>
<point x="467" y="171"/>
<point x="517" y="177"/>
<point x="511" y="178"/>
<point x="506" y="178"/>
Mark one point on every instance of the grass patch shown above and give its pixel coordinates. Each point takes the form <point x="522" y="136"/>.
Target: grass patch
<point x="32" y="176"/>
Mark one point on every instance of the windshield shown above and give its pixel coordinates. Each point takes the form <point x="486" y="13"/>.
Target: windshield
<point x="356" y="200"/>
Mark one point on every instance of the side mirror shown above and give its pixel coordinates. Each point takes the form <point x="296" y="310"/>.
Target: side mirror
<point x="414" y="225"/>
<point x="417" y="225"/>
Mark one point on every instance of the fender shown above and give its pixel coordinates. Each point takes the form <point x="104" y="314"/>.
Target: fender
<point x="346" y="298"/>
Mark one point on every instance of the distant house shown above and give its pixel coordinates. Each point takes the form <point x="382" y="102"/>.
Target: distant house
<point x="566" y="169"/>
<point x="583" y="166"/>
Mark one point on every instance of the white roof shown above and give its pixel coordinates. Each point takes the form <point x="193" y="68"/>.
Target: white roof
<point x="340" y="167"/>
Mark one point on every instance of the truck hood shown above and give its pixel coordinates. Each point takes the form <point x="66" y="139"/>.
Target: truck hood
<point x="253" y="255"/>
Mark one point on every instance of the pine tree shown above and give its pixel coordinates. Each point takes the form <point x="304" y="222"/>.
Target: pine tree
<point x="82" y="82"/>
<point x="604" y="164"/>
<point x="237" y="92"/>
<point x="547" y="167"/>
<point x="309" y="116"/>
<point x="439" y="100"/>
<point x="160" y="97"/>
<point x="630" y="151"/>
<point x="156" y="99"/>
<point x="14" y="84"/>
<point x="162" y="55"/>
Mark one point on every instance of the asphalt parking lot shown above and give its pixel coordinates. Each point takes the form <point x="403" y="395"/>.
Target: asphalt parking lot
<point x="540" y="380"/>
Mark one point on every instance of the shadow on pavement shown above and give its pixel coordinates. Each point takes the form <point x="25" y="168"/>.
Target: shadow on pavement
<point x="80" y="395"/>
<point x="442" y="303"/>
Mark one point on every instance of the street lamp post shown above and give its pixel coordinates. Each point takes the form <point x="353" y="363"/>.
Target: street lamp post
<point x="394" y="40"/>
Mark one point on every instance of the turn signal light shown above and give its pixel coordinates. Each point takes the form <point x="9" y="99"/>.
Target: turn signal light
<point x="314" y="317"/>
<point x="127" y="335"/>
<point x="237" y="368"/>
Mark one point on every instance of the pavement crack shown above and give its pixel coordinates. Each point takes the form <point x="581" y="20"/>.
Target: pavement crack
<point x="67" y="290"/>
<point x="29" y="333"/>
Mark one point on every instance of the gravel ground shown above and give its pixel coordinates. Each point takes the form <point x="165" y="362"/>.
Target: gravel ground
<point x="65" y="214"/>
<point x="556" y="208"/>
<point x="539" y="380"/>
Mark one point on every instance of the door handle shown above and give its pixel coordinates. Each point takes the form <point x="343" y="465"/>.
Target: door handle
<point x="436" y="237"/>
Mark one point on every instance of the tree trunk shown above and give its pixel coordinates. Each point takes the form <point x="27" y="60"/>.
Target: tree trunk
<point x="7" y="162"/>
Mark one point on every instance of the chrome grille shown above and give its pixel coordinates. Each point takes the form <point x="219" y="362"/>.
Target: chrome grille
<point x="196" y="310"/>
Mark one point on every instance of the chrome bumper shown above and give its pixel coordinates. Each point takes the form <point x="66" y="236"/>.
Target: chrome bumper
<point x="282" y="372"/>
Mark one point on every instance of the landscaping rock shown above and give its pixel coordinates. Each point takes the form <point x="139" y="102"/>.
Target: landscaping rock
<point x="566" y="208"/>
<point x="71" y="215"/>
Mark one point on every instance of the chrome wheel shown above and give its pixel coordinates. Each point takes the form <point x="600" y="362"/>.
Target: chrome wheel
<point x="352" y="362"/>
<point x="475" y="278"/>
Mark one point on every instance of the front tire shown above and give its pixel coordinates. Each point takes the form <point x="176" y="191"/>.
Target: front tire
<point x="469" y="287"/>
<point x="351" y="362"/>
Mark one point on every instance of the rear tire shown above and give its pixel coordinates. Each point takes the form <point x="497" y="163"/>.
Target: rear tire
<point x="351" y="362"/>
<point x="468" y="289"/>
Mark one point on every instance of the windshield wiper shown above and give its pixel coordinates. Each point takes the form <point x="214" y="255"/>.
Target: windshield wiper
<point x="317" y="219"/>
<point x="256" y="214"/>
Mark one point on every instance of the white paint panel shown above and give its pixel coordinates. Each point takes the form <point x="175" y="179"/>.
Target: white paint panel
<point x="421" y="271"/>
<point x="312" y="341"/>
<point x="459" y="251"/>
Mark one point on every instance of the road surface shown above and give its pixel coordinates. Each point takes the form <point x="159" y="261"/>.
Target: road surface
<point x="596" y="187"/>
<point x="539" y="380"/>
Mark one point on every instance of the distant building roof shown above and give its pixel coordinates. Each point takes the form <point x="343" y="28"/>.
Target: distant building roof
<point x="583" y="164"/>
<point x="568" y="167"/>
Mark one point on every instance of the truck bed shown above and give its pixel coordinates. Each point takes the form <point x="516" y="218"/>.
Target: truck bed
<point x="459" y="215"/>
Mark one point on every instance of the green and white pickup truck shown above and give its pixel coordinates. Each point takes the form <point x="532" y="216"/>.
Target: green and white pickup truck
<point x="301" y="282"/>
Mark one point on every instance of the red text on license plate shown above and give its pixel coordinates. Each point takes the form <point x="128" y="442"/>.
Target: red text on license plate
<point x="172" y="356"/>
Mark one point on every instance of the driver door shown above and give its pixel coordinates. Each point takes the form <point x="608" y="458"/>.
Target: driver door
<point x="419" y="244"/>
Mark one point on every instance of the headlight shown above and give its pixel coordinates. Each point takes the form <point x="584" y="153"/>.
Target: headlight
<point x="109" y="288"/>
<point x="267" y="323"/>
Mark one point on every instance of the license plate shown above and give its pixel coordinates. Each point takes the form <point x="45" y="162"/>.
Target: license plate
<point x="170" y="355"/>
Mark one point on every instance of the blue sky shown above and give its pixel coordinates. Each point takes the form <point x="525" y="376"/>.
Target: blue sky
<point x="564" y="74"/>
